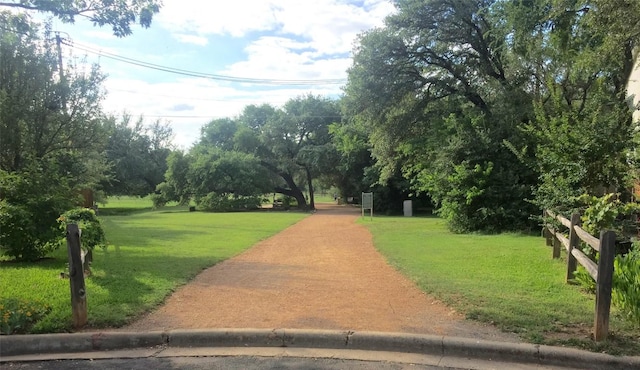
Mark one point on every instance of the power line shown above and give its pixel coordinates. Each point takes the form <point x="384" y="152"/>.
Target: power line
<point x="228" y="100"/>
<point x="184" y="72"/>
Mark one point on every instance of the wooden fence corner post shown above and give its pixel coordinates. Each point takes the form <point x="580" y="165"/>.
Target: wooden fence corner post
<point x="76" y="277"/>
<point x="556" y="247"/>
<point x="574" y="242"/>
<point x="604" y="284"/>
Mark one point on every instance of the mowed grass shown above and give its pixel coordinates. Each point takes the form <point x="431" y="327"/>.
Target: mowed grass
<point x="149" y="255"/>
<point x="508" y="280"/>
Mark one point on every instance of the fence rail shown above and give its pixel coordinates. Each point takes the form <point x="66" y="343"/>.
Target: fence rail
<point x="601" y="272"/>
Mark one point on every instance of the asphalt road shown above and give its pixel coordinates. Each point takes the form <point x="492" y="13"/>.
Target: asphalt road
<point x="197" y="363"/>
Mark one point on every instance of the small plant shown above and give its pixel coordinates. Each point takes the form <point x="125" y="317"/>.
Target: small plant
<point x="18" y="316"/>
<point x="608" y="213"/>
<point x="582" y="277"/>
<point x="86" y="219"/>
<point x="626" y="284"/>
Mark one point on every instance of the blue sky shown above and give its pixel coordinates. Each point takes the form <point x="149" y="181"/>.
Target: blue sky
<point x="264" y="39"/>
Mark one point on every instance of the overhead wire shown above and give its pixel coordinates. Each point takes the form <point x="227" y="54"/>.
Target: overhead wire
<point x="256" y="100"/>
<point x="184" y="72"/>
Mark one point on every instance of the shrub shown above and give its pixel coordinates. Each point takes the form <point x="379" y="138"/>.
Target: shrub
<point x="626" y="284"/>
<point x="214" y="202"/>
<point x="30" y="203"/>
<point x="86" y="219"/>
<point x="18" y="316"/>
<point x="609" y="213"/>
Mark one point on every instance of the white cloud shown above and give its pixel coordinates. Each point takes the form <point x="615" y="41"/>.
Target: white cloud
<point x="206" y="100"/>
<point x="203" y="17"/>
<point x="280" y="58"/>
<point x="329" y="25"/>
<point x="288" y="39"/>
<point x="191" y="39"/>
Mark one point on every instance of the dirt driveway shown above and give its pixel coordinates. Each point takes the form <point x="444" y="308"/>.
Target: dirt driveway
<point x="321" y="273"/>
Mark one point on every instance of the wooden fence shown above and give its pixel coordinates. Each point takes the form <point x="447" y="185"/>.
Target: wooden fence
<point x="602" y="272"/>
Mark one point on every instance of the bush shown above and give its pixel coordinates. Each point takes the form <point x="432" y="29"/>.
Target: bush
<point x="30" y="203"/>
<point x="214" y="202"/>
<point x="86" y="219"/>
<point x="18" y="316"/>
<point x="609" y="213"/>
<point x="626" y="284"/>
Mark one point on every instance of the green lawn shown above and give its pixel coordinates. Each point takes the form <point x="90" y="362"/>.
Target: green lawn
<point x="509" y="280"/>
<point x="149" y="255"/>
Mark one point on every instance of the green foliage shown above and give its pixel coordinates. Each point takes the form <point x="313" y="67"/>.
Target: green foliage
<point x="608" y="212"/>
<point x="51" y="137"/>
<point x="44" y="118"/>
<point x="214" y="202"/>
<point x="119" y="14"/>
<point x="137" y="155"/>
<point x="582" y="277"/>
<point x="30" y="203"/>
<point x="534" y="88"/>
<point x="87" y="221"/>
<point x="439" y="96"/>
<point x="263" y="150"/>
<point x="176" y="186"/>
<point x="18" y="316"/>
<point x="226" y="173"/>
<point x="626" y="284"/>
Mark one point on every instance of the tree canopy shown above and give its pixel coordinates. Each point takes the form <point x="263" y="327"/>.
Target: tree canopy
<point x="51" y="137"/>
<point x="262" y="150"/>
<point x="496" y="108"/>
<point x="119" y="14"/>
<point x="137" y="155"/>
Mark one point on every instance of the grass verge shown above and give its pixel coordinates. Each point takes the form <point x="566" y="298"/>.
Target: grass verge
<point x="508" y="280"/>
<point x="149" y="255"/>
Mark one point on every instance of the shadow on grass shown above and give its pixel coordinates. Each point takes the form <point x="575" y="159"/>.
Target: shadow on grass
<point x="146" y="236"/>
<point x="128" y="211"/>
<point x="133" y="283"/>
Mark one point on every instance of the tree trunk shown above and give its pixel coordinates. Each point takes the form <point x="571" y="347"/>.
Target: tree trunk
<point x="293" y="191"/>
<point x="312" y="203"/>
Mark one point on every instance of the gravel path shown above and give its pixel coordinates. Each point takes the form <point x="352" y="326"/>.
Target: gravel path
<point x="321" y="273"/>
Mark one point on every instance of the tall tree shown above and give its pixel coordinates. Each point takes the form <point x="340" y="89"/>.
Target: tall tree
<point x="580" y="57"/>
<point x="51" y="137"/>
<point x="137" y="155"/>
<point x="292" y="145"/>
<point x="438" y="90"/>
<point x="40" y="114"/>
<point x="298" y="139"/>
<point x="119" y="14"/>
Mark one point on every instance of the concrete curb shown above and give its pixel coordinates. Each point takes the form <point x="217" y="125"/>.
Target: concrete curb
<point x="39" y="344"/>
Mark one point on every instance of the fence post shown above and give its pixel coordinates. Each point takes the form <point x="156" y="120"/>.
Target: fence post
<point x="603" y="284"/>
<point x="76" y="277"/>
<point x="556" y="247"/>
<point x="546" y="232"/>
<point x="574" y="242"/>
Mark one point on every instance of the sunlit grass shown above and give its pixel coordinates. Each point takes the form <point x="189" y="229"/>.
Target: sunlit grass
<point x="149" y="255"/>
<point x="509" y="280"/>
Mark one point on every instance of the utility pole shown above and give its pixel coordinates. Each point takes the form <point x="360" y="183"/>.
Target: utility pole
<point x="63" y="81"/>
